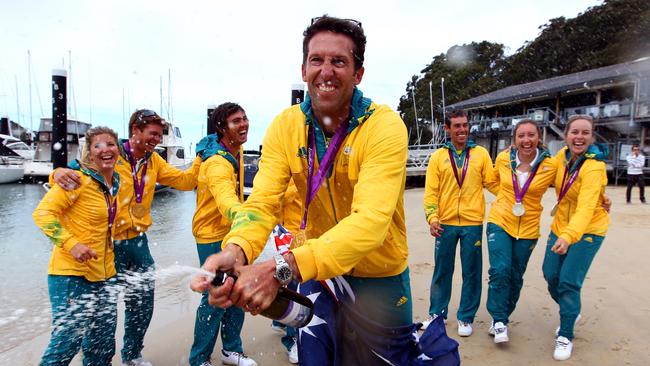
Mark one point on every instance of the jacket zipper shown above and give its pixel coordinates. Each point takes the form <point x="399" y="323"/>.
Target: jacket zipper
<point x="518" y="228"/>
<point x="458" y="206"/>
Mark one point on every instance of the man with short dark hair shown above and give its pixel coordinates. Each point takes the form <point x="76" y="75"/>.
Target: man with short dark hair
<point x="219" y="194"/>
<point x="635" y="164"/>
<point x="454" y="206"/>
<point x="347" y="157"/>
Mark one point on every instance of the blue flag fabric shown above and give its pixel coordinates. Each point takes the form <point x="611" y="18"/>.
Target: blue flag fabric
<point x="317" y="341"/>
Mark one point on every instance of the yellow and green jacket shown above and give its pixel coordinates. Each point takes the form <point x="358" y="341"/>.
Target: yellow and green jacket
<point x="526" y="226"/>
<point x="126" y="225"/>
<point x="219" y="193"/>
<point x="444" y="201"/>
<point x="291" y="211"/>
<point x="355" y="223"/>
<point x="79" y="216"/>
<point x="581" y="210"/>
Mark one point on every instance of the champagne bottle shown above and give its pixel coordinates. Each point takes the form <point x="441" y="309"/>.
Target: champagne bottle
<point x="289" y="307"/>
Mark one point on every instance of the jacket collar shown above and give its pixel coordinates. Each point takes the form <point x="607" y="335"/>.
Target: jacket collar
<point x="470" y="144"/>
<point x="210" y="145"/>
<point x="76" y="165"/>
<point x="121" y="142"/>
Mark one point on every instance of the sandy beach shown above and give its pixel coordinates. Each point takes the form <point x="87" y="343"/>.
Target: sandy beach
<point x="613" y="329"/>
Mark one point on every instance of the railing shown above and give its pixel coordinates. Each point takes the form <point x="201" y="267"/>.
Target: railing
<point x="418" y="158"/>
<point x="495" y="124"/>
<point x="608" y="110"/>
<point x="546" y="116"/>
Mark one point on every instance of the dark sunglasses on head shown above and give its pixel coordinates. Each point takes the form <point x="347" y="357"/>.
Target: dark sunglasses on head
<point x="147" y="113"/>
<point x="354" y="22"/>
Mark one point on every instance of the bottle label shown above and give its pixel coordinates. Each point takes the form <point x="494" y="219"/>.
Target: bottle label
<point x="296" y="315"/>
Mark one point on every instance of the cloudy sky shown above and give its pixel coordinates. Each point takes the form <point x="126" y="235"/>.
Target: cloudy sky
<point x="247" y="52"/>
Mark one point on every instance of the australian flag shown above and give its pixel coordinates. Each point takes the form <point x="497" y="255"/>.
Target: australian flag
<point x="282" y="239"/>
<point x="318" y="341"/>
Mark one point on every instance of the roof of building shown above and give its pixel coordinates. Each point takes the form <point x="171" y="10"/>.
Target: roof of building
<point x="571" y="83"/>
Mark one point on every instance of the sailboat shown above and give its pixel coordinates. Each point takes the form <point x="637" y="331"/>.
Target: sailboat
<point x="12" y="165"/>
<point x="171" y="147"/>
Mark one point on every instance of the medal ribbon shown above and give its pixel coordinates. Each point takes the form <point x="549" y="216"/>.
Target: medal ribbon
<point x="314" y="182"/>
<point x="520" y="193"/>
<point x="137" y="186"/>
<point x="112" y="208"/>
<point x="564" y="189"/>
<point x="453" y="165"/>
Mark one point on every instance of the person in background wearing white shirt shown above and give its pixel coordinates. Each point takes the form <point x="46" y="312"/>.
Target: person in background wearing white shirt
<point x="635" y="163"/>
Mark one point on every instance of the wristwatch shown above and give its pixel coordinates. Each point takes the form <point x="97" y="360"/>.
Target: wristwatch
<point x="283" y="272"/>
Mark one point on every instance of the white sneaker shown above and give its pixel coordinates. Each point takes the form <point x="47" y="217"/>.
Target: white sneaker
<point x="500" y="332"/>
<point x="464" y="329"/>
<point x="429" y="319"/>
<point x="293" y="354"/>
<point x="137" y="362"/>
<point x="563" y="348"/>
<point x="557" y="330"/>
<point x="236" y="358"/>
<point x="206" y="363"/>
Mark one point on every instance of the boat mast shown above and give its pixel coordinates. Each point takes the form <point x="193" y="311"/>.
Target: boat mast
<point x="169" y="95"/>
<point x="29" y="77"/>
<point x="17" y="106"/>
<point x="161" y="96"/>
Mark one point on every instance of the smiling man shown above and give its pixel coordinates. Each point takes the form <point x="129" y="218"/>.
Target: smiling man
<point x="219" y="195"/>
<point x="454" y="206"/>
<point x="342" y="150"/>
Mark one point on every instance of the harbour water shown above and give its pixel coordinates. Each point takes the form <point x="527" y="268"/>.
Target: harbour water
<point x="25" y="252"/>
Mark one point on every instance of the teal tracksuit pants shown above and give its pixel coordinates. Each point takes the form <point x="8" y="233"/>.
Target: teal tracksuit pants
<point x="471" y="260"/>
<point x="209" y="319"/>
<point x="134" y="263"/>
<point x="84" y="316"/>
<point x="565" y="275"/>
<point x="508" y="260"/>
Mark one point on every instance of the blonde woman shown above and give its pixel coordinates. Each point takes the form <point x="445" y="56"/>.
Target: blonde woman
<point x="524" y="172"/>
<point x="579" y="225"/>
<point x="78" y="222"/>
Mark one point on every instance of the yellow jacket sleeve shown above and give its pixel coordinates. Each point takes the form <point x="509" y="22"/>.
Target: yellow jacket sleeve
<point x="291" y="209"/>
<point x="46" y="215"/>
<point x="432" y="188"/>
<point x="489" y="178"/>
<point x="219" y="175"/>
<point x="168" y="175"/>
<point x="589" y="198"/>
<point x="250" y="229"/>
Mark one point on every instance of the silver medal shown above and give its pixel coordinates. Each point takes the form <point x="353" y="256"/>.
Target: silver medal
<point x="518" y="209"/>
<point x="554" y="209"/>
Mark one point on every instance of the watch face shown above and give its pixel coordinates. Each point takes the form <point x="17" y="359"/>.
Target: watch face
<point x="284" y="275"/>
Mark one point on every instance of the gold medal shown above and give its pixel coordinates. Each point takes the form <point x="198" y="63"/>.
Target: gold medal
<point x="138" y="210"/>
<point x="554" y="209"/>
<point x="301" y="237"/>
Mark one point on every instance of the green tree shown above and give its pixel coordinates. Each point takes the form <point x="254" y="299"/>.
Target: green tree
<point x="611" y="33"/>
<point x="468" y="70"/>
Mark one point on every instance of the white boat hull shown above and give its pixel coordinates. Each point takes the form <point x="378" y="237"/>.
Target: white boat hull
<point x="11" y="173"/>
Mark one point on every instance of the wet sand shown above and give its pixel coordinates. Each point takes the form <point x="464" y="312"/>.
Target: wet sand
<point x="613" y="329"/>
